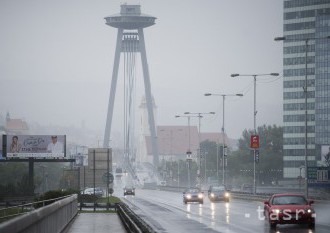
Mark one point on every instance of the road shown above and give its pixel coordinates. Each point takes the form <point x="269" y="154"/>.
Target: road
<point x="166" y="212"/>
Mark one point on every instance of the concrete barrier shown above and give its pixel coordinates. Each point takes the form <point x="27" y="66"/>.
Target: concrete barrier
<point x="52" y="218"/>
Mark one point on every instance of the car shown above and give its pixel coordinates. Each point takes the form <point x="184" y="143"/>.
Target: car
<point x="90" y="191"/>
<point x="289" y="208"/>
<point x="193" y="195"/>
<point x="129" y="191"/>
<point x="218" y="193"/>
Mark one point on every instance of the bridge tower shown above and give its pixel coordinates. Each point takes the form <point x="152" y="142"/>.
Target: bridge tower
<point x="130" y="38"/>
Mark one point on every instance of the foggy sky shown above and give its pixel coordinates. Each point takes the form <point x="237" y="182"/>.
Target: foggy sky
<point x="56" y="60"/>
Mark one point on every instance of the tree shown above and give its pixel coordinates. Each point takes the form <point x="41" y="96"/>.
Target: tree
<point x="269" y="168"/>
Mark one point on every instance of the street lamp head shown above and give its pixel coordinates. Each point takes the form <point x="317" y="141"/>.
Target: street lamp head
<point x="187" y="113"/>
<point x="212" y="112"/>
<point x="234" y="75"/>
<point x="239" y="94"/>
<point x="274" y="74"/>
<point x="279" y="38"/>
<point x="176" y="116"/>
<point x="207" y="94"/>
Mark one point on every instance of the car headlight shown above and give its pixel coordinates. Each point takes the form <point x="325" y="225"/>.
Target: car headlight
<point x="309" y="210"/>
<point x="227" y="194"/>
<point x="212" y="194"/>
<point x="276" y="211"/>
<point x="200" y="195"/>
<point x="188" y="196"/>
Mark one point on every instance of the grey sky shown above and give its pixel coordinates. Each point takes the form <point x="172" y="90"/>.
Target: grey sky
<point x="57" y="57"/>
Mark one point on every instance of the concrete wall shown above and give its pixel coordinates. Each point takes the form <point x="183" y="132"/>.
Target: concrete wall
<point x="52" y="218"/>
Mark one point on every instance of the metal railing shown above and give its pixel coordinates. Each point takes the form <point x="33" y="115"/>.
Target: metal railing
<point x="50" y="218"/>
<point x="25" y="208"/>
<point x="132" y="222"/>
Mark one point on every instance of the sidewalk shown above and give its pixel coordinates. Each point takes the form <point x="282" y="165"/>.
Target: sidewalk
<point x="95" y="222"/>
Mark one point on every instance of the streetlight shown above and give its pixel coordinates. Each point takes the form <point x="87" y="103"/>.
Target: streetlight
<point x="254" y="117"/>
<point x="223" y="133"/>
<point x="189" y="151"/>
<point x="306" y="40"/>
<point x="171" y="146"/>
<point x="199" y="115"/>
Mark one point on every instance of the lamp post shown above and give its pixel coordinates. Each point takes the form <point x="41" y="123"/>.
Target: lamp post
<point x="200" y="115"/>
<point x="223" y="132"/>
<point x="254" y="117"/>
<point x="171" y="145"/>
<point x="305" y="88"/>
<point x="189" y="151"/>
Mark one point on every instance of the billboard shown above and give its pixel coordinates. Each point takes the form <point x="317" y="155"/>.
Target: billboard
<point x="80" y="154"/>
<point x="37" y="146"/>
<point x="325" y="156"/>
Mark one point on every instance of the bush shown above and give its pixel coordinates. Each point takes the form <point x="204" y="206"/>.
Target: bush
<point x="87" y="198"/>
<point x="52" y="195"/>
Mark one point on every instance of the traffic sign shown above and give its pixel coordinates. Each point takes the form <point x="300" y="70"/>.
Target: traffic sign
<point x="318" y="177"/>
<point x="107" y="177"/>
<point x="189" y="155"/>
<point x="254" y="142"/>
<point x="256" y="156"/>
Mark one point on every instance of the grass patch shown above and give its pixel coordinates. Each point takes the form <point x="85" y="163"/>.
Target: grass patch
<point x="11" y="213"/>
<point x="112" y="200"/>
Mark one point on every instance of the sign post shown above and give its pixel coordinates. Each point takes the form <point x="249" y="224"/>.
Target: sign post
<point x="254" y="142"/>
<point x="318" y="177"/>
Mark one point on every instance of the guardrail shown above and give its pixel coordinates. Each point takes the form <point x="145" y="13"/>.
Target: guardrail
<point x="132" y="222"/>
<point x="95" y="205"/>
<point x="260" y="196"/>
<point x="52" y="218"/>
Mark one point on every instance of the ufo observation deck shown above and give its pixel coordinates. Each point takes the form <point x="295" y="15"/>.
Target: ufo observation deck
<point x="130" y="18"/>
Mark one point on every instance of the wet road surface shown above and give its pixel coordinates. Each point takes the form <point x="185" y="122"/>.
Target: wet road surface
<point x="166" y="212"/>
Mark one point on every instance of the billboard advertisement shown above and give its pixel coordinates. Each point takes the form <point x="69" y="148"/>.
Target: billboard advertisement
<point x="325" y="156"/>
<point x="37" y="146"/>
<point x="80" y="154"/>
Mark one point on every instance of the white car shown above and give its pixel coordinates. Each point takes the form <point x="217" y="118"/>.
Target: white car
<point x="90" y="191"/>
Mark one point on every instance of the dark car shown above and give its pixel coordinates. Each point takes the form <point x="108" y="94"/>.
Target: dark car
<point x="129" y="191"/>
<point x="218" y="193"/>
<point x="193" y="195"/>
<point x="289" y="208"/>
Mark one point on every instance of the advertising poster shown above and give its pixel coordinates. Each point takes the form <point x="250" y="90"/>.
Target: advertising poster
<point x="325" y="156"/>
<point x="38" y="146"/>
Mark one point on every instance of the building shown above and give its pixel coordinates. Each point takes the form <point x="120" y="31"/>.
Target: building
<point x="175" y="141"/>
<point x="305" y="19"/>
<point x="16" y="126"/>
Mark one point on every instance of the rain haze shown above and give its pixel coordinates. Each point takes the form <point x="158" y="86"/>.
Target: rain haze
<point x="57" y="58"/>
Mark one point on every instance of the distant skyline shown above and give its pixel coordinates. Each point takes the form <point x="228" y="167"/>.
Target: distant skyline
<point x="57" y="57"/>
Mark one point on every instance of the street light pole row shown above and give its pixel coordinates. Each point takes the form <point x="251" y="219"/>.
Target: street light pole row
<point x="223" y="133"/>
<point x="199" y="154"/>
<point x="199" y="115"/>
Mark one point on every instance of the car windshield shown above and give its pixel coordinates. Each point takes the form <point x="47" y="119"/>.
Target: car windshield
<point x="289" y="200"/>
<point x="193" y="190"/>
<point x="217" y="189"/>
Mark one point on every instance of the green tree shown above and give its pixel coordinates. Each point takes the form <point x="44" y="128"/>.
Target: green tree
<point x="269" y="168"/>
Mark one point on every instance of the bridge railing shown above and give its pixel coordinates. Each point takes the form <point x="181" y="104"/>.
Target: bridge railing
<point x="52" y="218"/>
